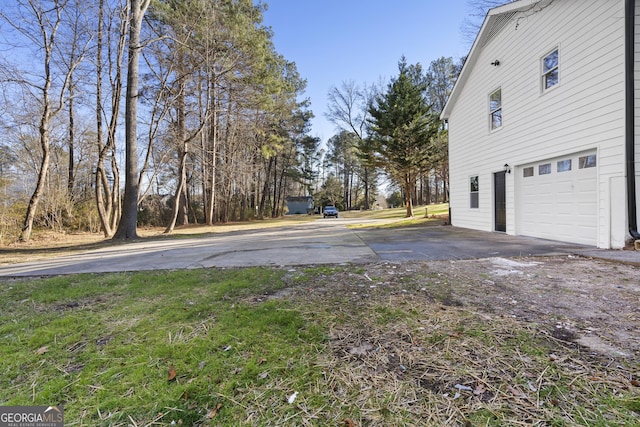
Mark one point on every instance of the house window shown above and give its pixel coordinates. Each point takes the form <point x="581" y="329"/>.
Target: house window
<point x="587" y="161"/>
<point x="564" y="165"/>
<point x="550" y="76"/>
<point x="527" y="172"/>
<point x="495" y="109"/>
<point x="473" y="192"/>
<point x="544" y="169"/>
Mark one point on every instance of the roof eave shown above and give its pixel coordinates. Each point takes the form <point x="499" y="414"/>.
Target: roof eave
<point x="472" y="58"/>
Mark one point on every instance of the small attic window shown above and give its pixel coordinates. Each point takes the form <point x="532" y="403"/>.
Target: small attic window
<point x="495" y="109"/>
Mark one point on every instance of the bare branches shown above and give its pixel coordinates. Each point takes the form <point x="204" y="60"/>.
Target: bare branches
<point x="349" y="106"/>
<point x="211" y="75"/>
<point x="478" y="10"/>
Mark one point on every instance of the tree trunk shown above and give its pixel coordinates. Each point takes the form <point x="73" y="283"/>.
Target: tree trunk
<point x="445" y="180"/>
<point x="283" y="185"/>
<point x="408" y="187"/>
<point x="182" y="180"/>
<point x="204" y="175"/>
<point x="183" y="151"/>
<point x="27" y="228"/>
<point x="275" y="187"/>
<point x="265" y="189"/>
<point x="183" y="208"/>
<point x="366" y="188"/>
<point x="128" y="220"/>
<point x="213" y="141"/>
<point x="108" y="193"/>
<point x="346" y="188"/>
<point x="45" y="117"/>
<point x="71" y="178"/>
<point x="114" y="204"/>
<point x="101" y="181"/>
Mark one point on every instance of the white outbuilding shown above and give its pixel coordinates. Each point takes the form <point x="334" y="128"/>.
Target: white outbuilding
<point x="544" y="123"/>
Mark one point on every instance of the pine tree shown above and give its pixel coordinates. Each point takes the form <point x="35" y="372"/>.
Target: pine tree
<point x="403" y="125"/>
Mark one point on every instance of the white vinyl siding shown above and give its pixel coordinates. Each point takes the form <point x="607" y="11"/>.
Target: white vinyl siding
<point x="584" y="112"/>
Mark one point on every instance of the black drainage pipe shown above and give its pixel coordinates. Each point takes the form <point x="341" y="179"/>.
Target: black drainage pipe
<point x="630" y="12"/>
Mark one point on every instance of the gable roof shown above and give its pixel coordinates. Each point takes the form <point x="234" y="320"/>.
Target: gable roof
<point x="496" y="19"/>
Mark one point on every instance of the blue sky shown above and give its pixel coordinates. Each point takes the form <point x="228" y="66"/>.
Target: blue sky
<point x="332" y="41"/>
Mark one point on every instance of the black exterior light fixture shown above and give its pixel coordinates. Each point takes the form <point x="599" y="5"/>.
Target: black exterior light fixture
<point x="507" y="168"/>
<point x="495" y="63"/>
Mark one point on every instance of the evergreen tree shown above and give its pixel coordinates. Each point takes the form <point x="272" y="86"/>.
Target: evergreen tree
<point x="308" y="151"/>
<point x="403" y="125"/>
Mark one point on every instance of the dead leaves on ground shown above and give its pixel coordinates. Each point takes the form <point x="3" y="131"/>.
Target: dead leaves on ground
<point x="172" y="373"/>
<point x="212" y="413"/>
<point x="172" y="377"/>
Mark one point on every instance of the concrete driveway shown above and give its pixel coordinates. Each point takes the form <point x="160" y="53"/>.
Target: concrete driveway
<point x="325" y="241"/>
<point x="451" y="243"/>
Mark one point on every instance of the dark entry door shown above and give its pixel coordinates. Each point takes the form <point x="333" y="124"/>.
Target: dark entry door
<point x="500" y="201"/>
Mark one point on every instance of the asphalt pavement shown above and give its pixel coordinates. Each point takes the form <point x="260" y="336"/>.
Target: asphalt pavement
<point x="325" y="241"/>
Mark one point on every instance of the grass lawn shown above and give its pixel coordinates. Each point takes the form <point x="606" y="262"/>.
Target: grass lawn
<point x="317" y="346"/>
<point x="400" y="213"/>
<point x="436" y="214"/>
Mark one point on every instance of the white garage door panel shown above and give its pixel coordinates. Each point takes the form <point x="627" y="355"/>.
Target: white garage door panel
<point x="560" y="205"/>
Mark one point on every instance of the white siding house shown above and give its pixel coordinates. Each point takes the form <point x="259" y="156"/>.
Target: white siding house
<point x="541" y="119"/>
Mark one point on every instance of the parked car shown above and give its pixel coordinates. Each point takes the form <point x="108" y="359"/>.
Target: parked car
<point x="330" y="211"/>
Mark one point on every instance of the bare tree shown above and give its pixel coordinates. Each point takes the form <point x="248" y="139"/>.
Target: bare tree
<point x="349" y="110"/>
<point x="107" y="174"/>
<point x="441" y="77"/>
<point x="127" y="228"/>
<point x="176" y="64"/>
<point x="73" y="50"/>
<point x="225" y="84"/>
<point x="38" y="23"/>
<point x="478" y="10"/>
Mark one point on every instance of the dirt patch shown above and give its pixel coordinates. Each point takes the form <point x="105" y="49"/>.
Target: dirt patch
<point x="527" y="341"/>
<point x="581" y="301"/>
<point x="590" y="302"/>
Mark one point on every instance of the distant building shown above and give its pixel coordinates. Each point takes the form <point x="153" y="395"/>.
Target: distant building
<point x="381" y="202"/>
<point x="299" y="205"/>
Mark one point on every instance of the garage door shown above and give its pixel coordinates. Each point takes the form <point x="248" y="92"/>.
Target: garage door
<point x="558" y="199"/>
